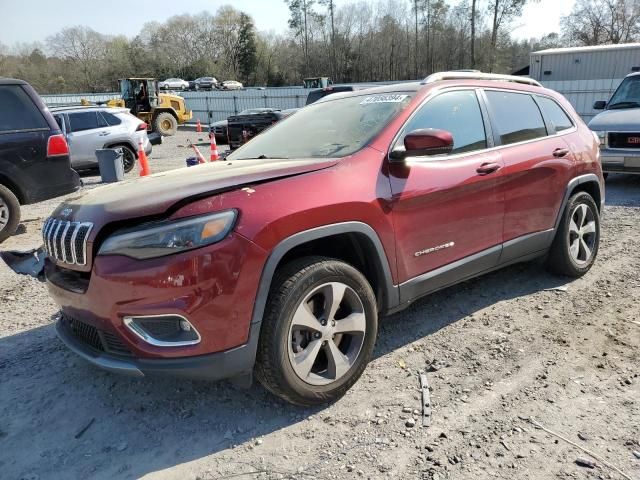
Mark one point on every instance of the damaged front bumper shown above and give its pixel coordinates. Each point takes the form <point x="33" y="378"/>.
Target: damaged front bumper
<point x="216" y="366"/>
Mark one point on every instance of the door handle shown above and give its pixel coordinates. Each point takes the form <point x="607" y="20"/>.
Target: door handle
<point x="103" y="134"/>
<point x="487" y="168"/>
<point x="560" y="152"/>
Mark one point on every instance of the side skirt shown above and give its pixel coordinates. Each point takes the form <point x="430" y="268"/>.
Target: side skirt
<point x="517" y="250"/>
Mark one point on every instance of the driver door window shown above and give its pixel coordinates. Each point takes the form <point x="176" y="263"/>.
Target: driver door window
<point x="457" y="112"/>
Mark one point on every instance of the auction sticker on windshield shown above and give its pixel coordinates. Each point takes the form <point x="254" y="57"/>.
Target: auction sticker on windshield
<point x="384" y="99"/>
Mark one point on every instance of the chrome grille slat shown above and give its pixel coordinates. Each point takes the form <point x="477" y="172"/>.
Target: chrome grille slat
<point x="54" y="239"/>
<point x="66" y="241"/>
<point x="63" y="247"/>
<point x="74" y="257"/>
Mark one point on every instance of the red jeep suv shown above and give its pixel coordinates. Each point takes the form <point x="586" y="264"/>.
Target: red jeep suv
<point x="279" y="260"/>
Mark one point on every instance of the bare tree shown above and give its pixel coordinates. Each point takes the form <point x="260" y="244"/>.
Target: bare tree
<point x="354" y="40"/>
<point x="83" y="47"/>
<point x="474" y="14"/>
<point x="301" y="12"/>
<point x="593" y="22"/>
<point x="502" y="13"/>
<point x="331" y="10"/>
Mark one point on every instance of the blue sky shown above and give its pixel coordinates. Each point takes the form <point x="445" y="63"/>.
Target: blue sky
<point x="34" y="20"/>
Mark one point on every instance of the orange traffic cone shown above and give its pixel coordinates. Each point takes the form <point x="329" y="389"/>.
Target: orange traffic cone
<point x="143" y="160"/>
<point x="198" y="126"/>
<point x="214" y="148"/>
<point x="198" y="154"/>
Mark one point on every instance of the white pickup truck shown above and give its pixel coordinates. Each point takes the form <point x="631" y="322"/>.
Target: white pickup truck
<point x="618" y="127"/>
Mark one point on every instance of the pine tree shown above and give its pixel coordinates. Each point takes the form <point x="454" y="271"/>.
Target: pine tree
<point x="246" y="47"/>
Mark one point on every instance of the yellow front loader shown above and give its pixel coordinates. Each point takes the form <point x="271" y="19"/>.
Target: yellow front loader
<point x="163" y="112"/>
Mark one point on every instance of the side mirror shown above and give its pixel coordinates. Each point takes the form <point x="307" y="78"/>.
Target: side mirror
<point x="426" y="141"/>
<point x="599" y="105"/>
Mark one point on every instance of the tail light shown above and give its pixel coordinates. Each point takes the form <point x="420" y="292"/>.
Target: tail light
<point x="142" y="126"/>
<point x="57" y="146"/>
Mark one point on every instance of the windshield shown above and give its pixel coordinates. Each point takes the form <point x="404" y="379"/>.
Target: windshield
<point x="627" y="95"/>
<point x="330" y="129"/>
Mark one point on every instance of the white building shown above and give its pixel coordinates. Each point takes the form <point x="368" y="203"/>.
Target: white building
<point x="585" y="74"/>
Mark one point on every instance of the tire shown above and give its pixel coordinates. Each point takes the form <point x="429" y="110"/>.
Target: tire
<point x="9" y="213"/>
<point x="128" y="158"/>
<point x="575" y="246"/>
<point x="165" y="124"/>
<point x="338" y="357"/>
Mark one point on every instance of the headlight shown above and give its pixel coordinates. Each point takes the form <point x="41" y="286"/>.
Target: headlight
<point x="165" y="238"/>
<point x="602" y="136"/>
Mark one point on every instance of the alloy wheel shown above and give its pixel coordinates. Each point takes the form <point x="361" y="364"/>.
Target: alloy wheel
<point x="4" y="214"/>
<point x="327" y="333"/>
<point x="582" y="234"/>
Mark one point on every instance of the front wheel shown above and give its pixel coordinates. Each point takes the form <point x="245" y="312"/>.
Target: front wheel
<point x="575" y="246"/>
<point x="318" y="332"/>
<point x="9" y="213"/>
<point x="166" y="124"/>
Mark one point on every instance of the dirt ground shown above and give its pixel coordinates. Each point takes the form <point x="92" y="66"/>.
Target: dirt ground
<point x="500" y="350"/>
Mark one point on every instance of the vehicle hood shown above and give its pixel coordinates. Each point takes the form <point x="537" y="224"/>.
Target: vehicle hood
<point x="155" y="194"/>
<point x="622" y="120"/>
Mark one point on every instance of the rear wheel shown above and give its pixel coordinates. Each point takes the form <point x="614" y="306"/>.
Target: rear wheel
<point x="578" y="237"/>
<point x="318" y="332"/>
<point x="9" y="213"/>
<point x="128" y="159"/>
<point x="166" y="124"/>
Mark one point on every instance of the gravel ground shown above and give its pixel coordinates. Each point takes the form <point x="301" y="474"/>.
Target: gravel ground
<point x="499" y="351"/>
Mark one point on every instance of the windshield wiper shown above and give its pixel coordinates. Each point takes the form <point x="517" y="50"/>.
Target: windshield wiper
<point x="625" y="104"/>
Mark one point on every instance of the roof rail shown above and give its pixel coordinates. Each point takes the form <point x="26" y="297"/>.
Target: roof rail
<point x="476" y="75"/>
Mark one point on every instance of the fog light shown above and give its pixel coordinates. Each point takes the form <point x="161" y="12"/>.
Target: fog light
<point x="163" y="330"/>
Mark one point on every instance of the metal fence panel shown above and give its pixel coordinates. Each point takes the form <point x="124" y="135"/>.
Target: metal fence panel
<point x="215" y="105"/>
<point x="75" y="98"/>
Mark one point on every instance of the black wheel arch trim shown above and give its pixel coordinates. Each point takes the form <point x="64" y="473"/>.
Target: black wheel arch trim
<point x="15" y="187"/>
<point x="571" y="187"/>
<point x="390" y="291"/>
<point x="123" y="144"/>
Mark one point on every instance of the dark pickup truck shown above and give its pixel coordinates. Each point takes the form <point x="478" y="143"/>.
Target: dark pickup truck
<point x="241" y="128"/>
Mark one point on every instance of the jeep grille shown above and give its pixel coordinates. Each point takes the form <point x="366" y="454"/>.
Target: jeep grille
<point x="66" y="241"/>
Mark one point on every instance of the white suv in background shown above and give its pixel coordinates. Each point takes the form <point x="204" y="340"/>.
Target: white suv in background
<point x="90" y="128"/>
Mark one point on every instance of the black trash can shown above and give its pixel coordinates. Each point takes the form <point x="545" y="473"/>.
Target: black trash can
<point x="110" y="164"/>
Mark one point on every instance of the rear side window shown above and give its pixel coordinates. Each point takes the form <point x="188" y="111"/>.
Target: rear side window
<point x="555" y="114"/>
<point x="516" y="116"/>
<point x="111" y="119"/>
<point x="85" y="121"/>
<point x="17" y="110"/>
<point x="458" y="113"/>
